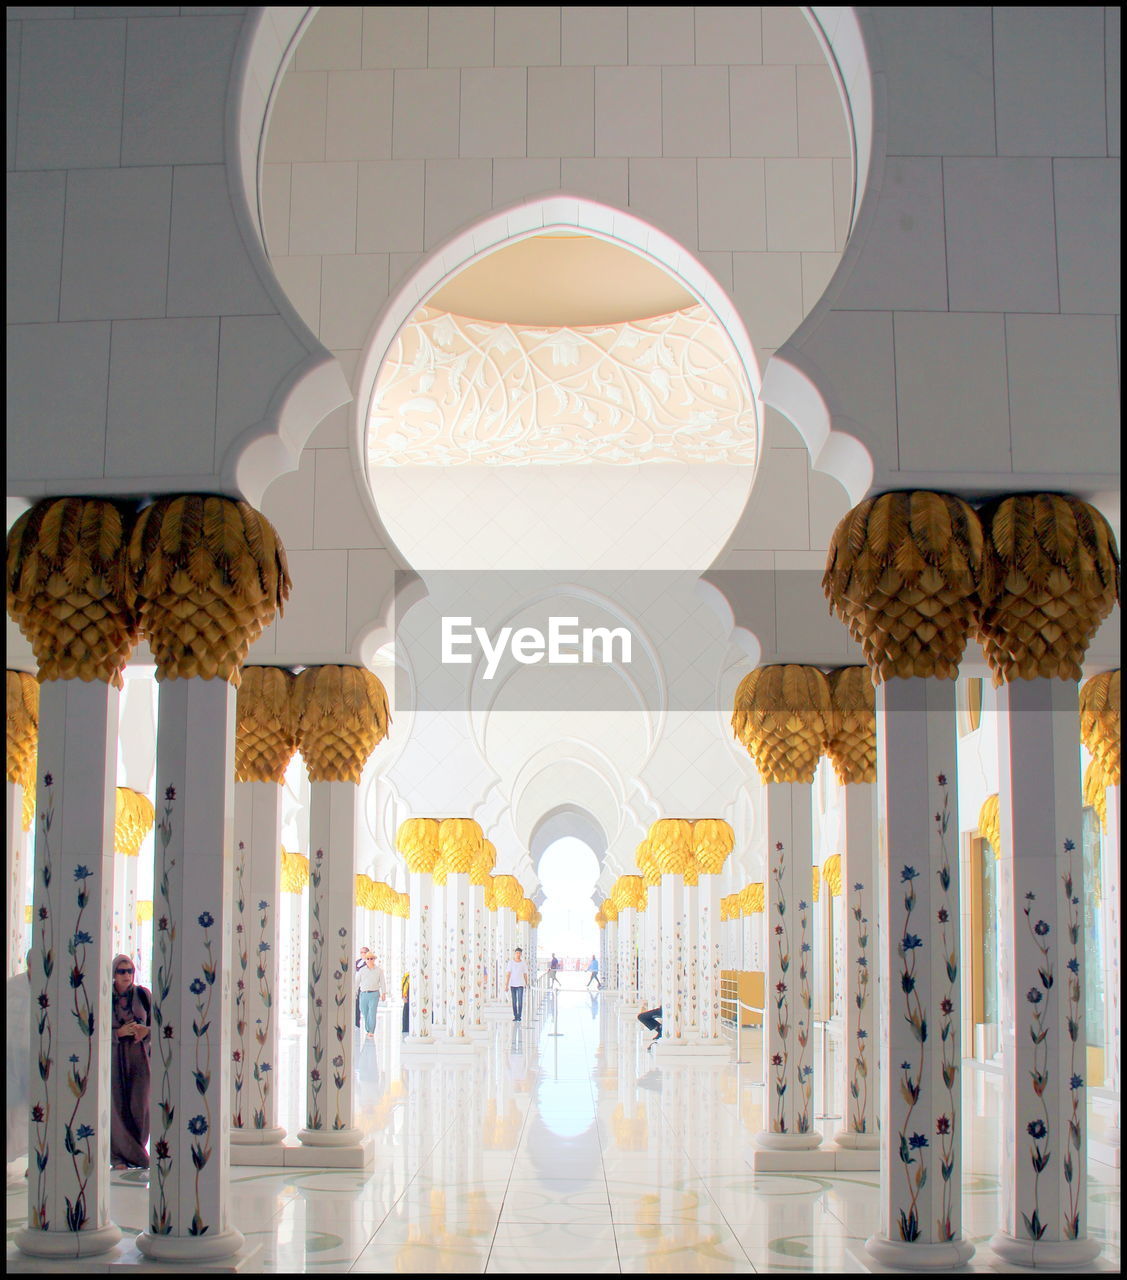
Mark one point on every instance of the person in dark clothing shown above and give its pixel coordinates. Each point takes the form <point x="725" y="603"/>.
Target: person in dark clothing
<point x="130" y="1074"/>
<point x="651" y="1019"/>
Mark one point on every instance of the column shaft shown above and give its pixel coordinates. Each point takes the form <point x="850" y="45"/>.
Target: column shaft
<point x="788" y="1018"/>
<point x="1109" y="866"/>
<point x="458" y="955"/>
<point x="858" y="1061"/>
<point x="191" y="1038"/>
<point x="330" y="1106"/>
<point x="652" y="993"/>
<point x="16" y="844"/>
<point x="690" y="1016"/>
<point x="708" y="959"/>
<point x="1044" y="1030"/>
<point x="439" y="956"/>
<point x="920" y="1089"/>
<point x="70" y="1045"/>
<point x="479" y="925"/>
<point x="257" y="887"/>
<point x="627" y="951"/>
<point x="673" y="967"/>
<point x="419" y="949"/>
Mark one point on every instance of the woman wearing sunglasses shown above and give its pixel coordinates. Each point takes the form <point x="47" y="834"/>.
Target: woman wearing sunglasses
<point x="130" y="1077"/>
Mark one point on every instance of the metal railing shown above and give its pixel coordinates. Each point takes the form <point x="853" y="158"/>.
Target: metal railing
<point x="736" y="1017"/>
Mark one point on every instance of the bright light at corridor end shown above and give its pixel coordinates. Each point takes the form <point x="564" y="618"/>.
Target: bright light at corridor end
<point x="568" y="871"/>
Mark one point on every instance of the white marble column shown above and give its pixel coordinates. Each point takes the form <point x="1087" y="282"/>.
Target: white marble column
<point x="652" y="954"/>
<point x="1041" y="997"/>
<point x="627" y="949"/>
<point x="858" y="1062"/>
<point x="330" y="1135"/>
<point x="16" y="845"/>
<point x="788" y="1018"/>
<point x="189" y="1207"/>
<point x="420" y="1033"/>
<point x="255" y="1004"/>
<point x="68" y="1211"/>
<point x="479" y="953"/>
<point x="1109" y="866"/>
<point x="125" y="928"/>
<point x="493" y="957"/>
<point x="440" y="963"/>
<point x="295" y="931"/>
<point x="459" y="958"/>
<point x="18" y="859"/>
<point x="611" y="934"/>
<point x="691" y="1009"/>
<point x="920" y="1089"/>
<point x="674" y="969"/>
<point x="507" y="943"/>
<point x="708" y="961"/>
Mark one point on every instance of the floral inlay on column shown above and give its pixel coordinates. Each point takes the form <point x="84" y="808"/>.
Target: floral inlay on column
<point x="1076" y="1081"/>
<point x="859" y="1084"/>
<point x="161" y="1221"/>
<point x="79" y="1076"/>
<point x="262" y="1068"/>
<point x="910" y="1139"/>
<point x="316" y="968"/>
<point x="779" y="1060"/>
<point x="41" y="1111"/>
<point x="239" y="1053"/>
<point x="201" y="1074"/>
<point x="342" y="976"/>
<point x="803" y="1028"/>
<point x="945" y="1124"/>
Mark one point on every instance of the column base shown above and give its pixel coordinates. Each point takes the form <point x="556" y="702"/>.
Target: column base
<point x="690" y="1051"/>
<point x="1056" y="1254"/>
<point x="257" y="1137"/>
<point x="899" y="1255"/>
<point x="853" y="1141"/>
<point x="348" y="1137"/>
<point x="67" y="1244"/>
<point x="773" y="1141"/>
<point x="358" y="1154"/>
<point x="452" y="1046"/>
<point x="188" y="1250"/>
<point x="790" y="1159"/>
<point x="416" y="1045"/>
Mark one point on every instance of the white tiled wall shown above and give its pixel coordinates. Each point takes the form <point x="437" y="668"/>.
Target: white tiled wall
<point x="992" y="236"/>
<point x="124" y="250"/>
<point x="641" y="107"/>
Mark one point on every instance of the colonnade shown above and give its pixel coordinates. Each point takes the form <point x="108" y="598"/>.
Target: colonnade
<point x="914" y="575"/>
<point x="465" y="923"/>
<point x="200" y="577"/>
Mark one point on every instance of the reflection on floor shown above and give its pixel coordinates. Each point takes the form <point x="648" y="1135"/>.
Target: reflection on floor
<point x="571" y="1152"/>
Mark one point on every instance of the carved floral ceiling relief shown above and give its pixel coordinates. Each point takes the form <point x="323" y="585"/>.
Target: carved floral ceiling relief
<point x="456" y="390"/>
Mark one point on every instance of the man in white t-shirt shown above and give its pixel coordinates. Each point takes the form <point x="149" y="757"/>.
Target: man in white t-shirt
<point x="516" y="979"/>
<point x="370" y="982"/>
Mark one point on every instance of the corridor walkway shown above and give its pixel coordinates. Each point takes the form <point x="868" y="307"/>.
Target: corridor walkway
<point x="570" y="1153"/>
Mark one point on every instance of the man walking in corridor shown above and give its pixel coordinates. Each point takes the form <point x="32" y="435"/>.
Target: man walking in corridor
<point x="516" y="979"/>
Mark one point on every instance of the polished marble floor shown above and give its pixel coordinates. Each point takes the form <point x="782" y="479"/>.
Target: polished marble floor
<point x="563" y="1146"/>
